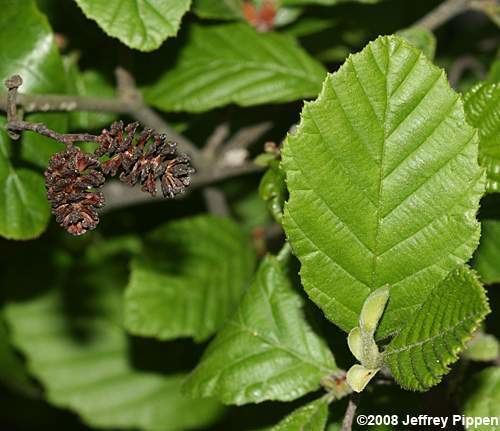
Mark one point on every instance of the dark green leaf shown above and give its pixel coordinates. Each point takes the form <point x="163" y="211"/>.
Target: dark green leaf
<point x="421" y="353"/>
<point x="189" y="277"/>
<point x="487" y="257"/>
<point x="232" y="63"/>
<point x="482" y="107"/>
<point x="267" y="350"/>
<point x="311" y="417"/>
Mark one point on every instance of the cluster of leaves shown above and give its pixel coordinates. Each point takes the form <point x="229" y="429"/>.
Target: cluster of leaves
<point x="166" y="316"/>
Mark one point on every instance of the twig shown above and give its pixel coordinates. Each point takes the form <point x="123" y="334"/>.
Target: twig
<point x="247" y="136"/>
<point x="451" y="8"/>
<point x="350" y="412"/>
<point x="216" y="201"/>
<point x="215" y="140"/>
<point x="16" y="125"/>
<point x="119" y="195"/>
<point x="129" y="102"/>
<point x="462" y="64"/>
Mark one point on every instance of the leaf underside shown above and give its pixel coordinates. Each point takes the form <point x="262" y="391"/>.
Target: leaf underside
<point x="482" y="107"/>
<point x="195" y="285"/>
<point x="421" y="353"/>
<point x="232" y="63"/>
<point x="267" y="350"/>
<point x="384" y="184"/>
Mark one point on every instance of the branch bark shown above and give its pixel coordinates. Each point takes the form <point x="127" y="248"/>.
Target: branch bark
<point x="450" y="9"/>
<point x="350" y="412"/>
<point x="129" y="102"/>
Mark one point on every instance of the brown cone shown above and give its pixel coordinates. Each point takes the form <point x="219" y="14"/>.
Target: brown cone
<point x="145" y="158"/>
<point x="71" y="179"/>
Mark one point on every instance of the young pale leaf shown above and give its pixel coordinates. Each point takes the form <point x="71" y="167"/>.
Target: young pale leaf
<point x="188" y="278"/>
<point x="384" y="184"/>
<point x="311" y="417"/>
<point x="267" y="350"/>
<point x="232" y="63"/>
<point x="483" y="397"/>
<point x="139" y="24"/>
<point x="420" y="354"/>
<point x="83" y="358"/>
<point x="487" y="257"/>
<point x="482" y="107"/>
<point x="28" y="49"/>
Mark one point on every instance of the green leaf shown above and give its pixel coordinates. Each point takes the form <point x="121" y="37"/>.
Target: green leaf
<point x="267" y="350"/>
<point x="190" y="288"/>
<point x="482" y="107"/>
<point x="483" y="397"/>
<point x="24" y="210"/>
<point x="487" y="257"/>
<point x="272" y="190"/>
<point x="421" y="38"/>
<point x="139" y="24"/>
<point x="232" y="63"/>
<point x="384" y="184"/>
<point x="28" y="49"/>
<point x="420" y="354"/>
<point x="311" y="417"/>
<point x="82" y="356"/>
<point x="218" y="9"/>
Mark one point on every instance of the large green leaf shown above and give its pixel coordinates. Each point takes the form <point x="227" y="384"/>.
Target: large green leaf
<point x="82" y="356"/>
<point x="188" y="279"/>
<point x="267" y="350"/>
<point x="482" y="395"/>
<point x="311" y="417"/>
<point x="420" y="354"/>
<point x="384" y="184"/>
<point x="487" y="256"/>
<point x="28" y="49"/>
<point x="482" y="106"/>
<point x="232" y="63"/>
<point x="139" y="24"/>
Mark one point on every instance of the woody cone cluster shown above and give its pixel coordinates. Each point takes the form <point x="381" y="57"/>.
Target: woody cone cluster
<point x="73" y="178"/>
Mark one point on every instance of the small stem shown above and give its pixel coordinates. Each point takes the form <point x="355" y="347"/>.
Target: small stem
<point x="350" y="412"/>
<point x="15" y="125"/>
<point x="42" y="129"/>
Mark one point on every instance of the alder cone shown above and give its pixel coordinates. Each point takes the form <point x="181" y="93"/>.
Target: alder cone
<point x="145" y="158"/>
<point x="72" y="179"/>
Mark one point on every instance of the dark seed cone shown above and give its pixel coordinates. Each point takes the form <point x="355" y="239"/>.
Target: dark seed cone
<point x="71" y="179"/>
<point x="146" y="159"/>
